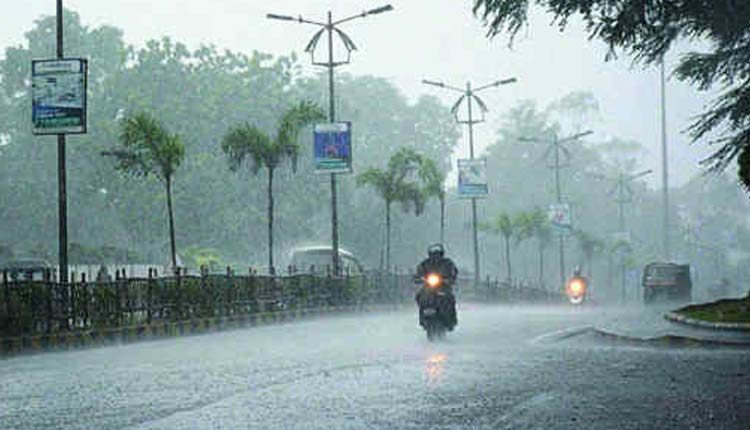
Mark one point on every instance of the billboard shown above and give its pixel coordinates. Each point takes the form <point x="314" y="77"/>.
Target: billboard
<point x="58" y="96"/>
<point x="332" y="149"/>
<point x="472" y="174"/>
<point x="560" y="217"/>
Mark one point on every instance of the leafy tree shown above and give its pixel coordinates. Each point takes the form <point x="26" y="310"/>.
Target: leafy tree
<point x="434" y="180"/>
<point x="395" y="185"/>
<point x="536" y="225"/>
<point x="246" y="143"/>
<point x="503" y="225"/>
<point x="646" y="30"/>
<point x="588" y="244"/>
<point x="148" y="148"/>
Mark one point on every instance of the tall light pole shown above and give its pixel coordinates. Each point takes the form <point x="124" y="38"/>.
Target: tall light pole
<point x="62" y="195"/>
<point x="329" y="27"/>
<point x="556" y="147"/>
<point x="623" y="195"/>
<point x="664" y="166"/>
<point x="470" y="96"/>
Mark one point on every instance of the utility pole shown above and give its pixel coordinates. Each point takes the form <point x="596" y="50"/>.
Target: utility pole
<point x="470" y="95"/>
<point x="664" y="166"/>
<point x="556" y="146"/>
<point x="558" y="192"/>
<point x="330" y="27"/>
<point x="624" y="196"/>
<point x="62" y="196"/>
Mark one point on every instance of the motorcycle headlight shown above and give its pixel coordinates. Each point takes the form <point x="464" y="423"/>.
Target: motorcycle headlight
<point x="434" y="280"/>
<point x="577" y="287"/>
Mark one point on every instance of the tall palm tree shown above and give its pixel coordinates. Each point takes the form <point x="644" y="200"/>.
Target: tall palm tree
<point x="394" y="185"/>
<point x="542" y="231"/>
<point x="504" y="226"/>
<point x="434" y="180"/>
<point x="248" y="144"/>
<point x="588" y="244"/>
<point x="149" y="149"/>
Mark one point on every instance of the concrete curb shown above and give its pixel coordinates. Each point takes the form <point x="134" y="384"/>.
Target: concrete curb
<point x="682" y="319"/>
<point x="559" y="335"/>
<point x="12" y="346"/>
<point x="669" y="340"/>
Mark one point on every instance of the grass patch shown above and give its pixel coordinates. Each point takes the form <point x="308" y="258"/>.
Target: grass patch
<point x="731" y="311"/>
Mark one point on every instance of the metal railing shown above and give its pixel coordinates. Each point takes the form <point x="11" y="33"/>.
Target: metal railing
<point x="30" y="307"/>
<point x="47" y="306"/>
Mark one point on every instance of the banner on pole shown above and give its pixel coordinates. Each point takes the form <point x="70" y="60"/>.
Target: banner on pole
<point x="472" y="178"/>
<point x="58" y="96"/>
<point x="333" y="147"/>
<point x="560" y="218"/>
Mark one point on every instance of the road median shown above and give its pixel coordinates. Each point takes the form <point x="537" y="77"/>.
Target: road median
<point x="725" y="314"/>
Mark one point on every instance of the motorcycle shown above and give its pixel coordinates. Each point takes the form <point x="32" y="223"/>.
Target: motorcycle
<point x="575" y="289"/>
<point x="434" y="307"/>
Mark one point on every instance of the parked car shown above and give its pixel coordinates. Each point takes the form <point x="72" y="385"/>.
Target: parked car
<point x="317" y="260"/>
<point x="26" y="269"/>
<point x="667" y="282"/>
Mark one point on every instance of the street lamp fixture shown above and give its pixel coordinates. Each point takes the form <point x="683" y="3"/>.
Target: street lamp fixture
<point x="330" y="27"/>
<point x="470" y="96"/>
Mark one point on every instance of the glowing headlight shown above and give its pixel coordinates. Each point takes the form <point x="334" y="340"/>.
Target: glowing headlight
<point x="577" y="287"/>
<point x="434" y="280"/>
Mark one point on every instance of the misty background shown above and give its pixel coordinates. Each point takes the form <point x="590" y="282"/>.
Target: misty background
<point x="205" y="66"/>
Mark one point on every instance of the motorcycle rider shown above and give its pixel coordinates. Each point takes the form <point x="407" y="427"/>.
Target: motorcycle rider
<point x="578" y="275"/>
<point x="437" y="262"/>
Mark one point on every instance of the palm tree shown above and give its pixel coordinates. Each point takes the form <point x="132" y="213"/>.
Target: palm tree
<point x="524" y="224"/>
<point x="248" y="144"/>
<point x="542" y="231"/>
<point x="394" y="185"/>
<point x="504" y="226"/>
<point x="588" y="245"/>
<point x="434" y="180"/>
<point x="149" y="149"/>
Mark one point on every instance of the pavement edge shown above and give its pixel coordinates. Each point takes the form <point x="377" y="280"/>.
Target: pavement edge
<point x="674" y="316"/>
<point x="13" y="346"/>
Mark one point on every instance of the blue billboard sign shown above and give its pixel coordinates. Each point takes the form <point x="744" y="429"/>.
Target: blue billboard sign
<point x="472" y="174"/>
<point x="333" y="147"/>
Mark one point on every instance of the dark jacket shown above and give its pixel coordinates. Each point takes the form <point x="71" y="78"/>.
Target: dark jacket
<point x="443" y="265"/>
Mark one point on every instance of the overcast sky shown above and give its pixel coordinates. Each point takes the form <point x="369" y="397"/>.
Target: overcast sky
<point x="435" y="39"/>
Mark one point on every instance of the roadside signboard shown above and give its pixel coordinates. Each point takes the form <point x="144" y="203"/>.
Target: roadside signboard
<point x="472" y="178"/>
<point x="333" y="147"/>
<point x="560" y="218"/>
<point x="58" y="96"/>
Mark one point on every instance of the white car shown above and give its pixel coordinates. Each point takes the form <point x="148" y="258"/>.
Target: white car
<point x="317" y="260"/>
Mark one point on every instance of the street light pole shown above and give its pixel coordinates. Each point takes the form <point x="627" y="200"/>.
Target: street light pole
<point x="665" y="166"/>
<point x="62" y="196"/>
<point x="557" y="146"/>
<point x="624" y="195"/>
<point x="331" y="119"/>
<point x="470" y="95"/>
<point x="330" y="27"/>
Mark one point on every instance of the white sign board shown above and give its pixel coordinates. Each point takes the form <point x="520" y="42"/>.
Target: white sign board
<point x="472" y="177"/>
<point x="58" y="96"/>
<point x="560" y="218"/>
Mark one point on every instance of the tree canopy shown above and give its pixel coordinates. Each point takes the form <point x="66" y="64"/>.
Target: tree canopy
<point x="645" y="31"/>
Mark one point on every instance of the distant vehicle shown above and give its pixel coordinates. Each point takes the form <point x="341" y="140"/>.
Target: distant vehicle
<point x="317" y="260"/>
<point x="26" y="269"/>
<point x="666" y="282"/>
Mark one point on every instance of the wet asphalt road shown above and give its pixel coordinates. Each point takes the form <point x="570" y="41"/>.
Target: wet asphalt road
<point x="499" y="370"/>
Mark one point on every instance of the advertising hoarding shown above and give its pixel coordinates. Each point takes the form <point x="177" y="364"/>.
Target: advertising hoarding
<point x="332" y="150"/>
<point x="472" y="178"/>
<point x="58" y="96"/>
<point x="560" y="218"/>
